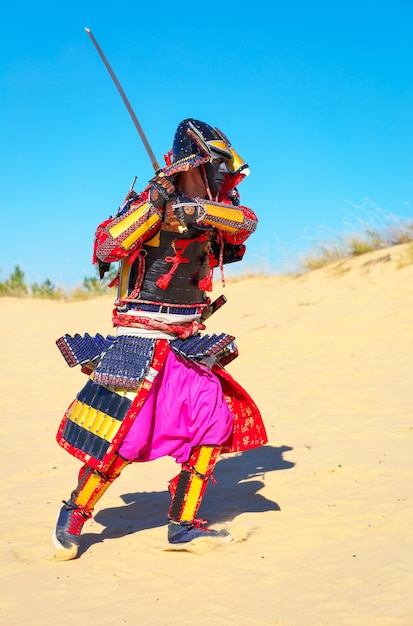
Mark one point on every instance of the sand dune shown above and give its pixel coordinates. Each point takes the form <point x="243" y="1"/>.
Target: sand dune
<point x="322" y="515"/>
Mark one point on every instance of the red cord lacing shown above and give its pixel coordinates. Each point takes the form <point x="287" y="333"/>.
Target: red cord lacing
<point x="183" y="331"/>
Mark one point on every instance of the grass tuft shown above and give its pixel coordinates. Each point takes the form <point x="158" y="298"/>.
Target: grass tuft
<point x="392" y="232"/>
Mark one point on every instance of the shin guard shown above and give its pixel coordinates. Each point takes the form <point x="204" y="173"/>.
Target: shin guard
<point x="187" y="489"/>
<point x="93" y="484"/>
<point x="78" y="509"/>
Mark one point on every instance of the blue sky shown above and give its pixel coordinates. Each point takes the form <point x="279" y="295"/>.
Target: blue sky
<point x="316" y="96"/>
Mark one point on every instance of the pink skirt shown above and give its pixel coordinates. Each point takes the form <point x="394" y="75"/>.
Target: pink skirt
<point x="184" y="408"/>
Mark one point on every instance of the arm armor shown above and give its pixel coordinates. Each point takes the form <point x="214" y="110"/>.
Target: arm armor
<point x="235" y="223"/>
<point x="119" y="237"/>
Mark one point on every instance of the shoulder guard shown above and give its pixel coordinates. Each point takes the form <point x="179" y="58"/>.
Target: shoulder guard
<point x="119" y="237"/>
<point x="236" y="223"/>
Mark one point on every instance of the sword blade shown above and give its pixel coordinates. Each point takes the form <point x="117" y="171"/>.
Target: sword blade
<point x="135" y="120"/>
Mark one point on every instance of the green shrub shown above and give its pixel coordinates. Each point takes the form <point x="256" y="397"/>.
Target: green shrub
<point x="14" y="286"/>
<point x="93" y="286"/>
<point x="46" y="290"/>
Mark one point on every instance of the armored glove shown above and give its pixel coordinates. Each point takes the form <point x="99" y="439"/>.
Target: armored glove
<point x="161" y="190"/>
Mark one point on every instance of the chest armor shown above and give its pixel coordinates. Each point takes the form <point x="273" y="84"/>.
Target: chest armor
<point x="171" y="266"/>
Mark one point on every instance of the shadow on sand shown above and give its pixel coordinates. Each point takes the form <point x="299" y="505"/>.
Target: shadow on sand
<point x="239" y="476"/>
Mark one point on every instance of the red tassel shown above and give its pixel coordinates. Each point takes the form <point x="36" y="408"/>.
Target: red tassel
<point x="163" y="281"/>
<point x="206" y="283"/>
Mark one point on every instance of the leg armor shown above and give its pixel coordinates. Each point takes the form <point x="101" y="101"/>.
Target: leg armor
<point x="92" y="484"/>
<point x="187" y="490"/>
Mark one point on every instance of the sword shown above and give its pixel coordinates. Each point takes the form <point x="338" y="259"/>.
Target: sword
<point x="126" y="101"/>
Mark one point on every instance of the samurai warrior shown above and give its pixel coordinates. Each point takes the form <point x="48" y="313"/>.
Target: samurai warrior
<point x="159" y="387"/>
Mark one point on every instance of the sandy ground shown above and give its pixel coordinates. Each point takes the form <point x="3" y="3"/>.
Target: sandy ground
<point x="322" y="515"/>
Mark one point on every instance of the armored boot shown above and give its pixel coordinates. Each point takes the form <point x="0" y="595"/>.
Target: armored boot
<point x="92" y="484"/>
<point x="187" y="490"/>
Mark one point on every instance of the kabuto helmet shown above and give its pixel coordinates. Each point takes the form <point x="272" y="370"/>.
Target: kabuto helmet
<point x="195" y="144"/>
